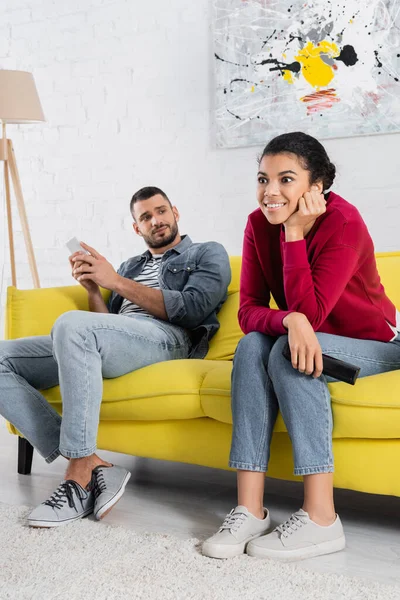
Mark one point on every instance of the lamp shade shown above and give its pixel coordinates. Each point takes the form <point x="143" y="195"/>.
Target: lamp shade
<point x="19" y="100"/>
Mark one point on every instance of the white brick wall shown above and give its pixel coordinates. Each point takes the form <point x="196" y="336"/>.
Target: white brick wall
<point x="127" y="89"/>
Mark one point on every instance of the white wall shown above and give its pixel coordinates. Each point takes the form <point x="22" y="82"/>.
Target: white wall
<point x="127" y="89"/>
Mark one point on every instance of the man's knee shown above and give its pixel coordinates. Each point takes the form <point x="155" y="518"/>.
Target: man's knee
<point x="68" y="324"/>
<point x="8" y="350"/>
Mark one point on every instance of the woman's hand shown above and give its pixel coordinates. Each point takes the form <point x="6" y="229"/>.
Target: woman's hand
<point x="304" y="346"/>
<point x="311" y="206"/>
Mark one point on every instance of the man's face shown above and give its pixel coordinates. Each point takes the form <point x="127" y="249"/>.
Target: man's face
<point x="156" y="221"/>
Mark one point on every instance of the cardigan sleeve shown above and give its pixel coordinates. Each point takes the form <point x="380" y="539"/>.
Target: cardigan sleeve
<point x="255" y="313"/>
<point x="314" y="289"/>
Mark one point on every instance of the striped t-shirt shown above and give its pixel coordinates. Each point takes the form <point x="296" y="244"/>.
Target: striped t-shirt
<point x="148" y="277"/>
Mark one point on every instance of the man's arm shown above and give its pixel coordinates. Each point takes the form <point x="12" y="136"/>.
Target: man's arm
<point x="96" y="271"/>
<point x="204" y="291"/>
<point x="96" y="302"/>
<point x="150" y="299"/>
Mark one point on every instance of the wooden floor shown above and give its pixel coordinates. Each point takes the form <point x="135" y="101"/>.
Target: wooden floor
<point x="187" y="501"/>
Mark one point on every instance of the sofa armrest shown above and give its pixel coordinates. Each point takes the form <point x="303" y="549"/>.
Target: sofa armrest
<point x="33" y="312"/>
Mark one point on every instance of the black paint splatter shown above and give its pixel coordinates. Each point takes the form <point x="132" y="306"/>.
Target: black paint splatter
<point x="295" y="67"/>
<point x="267" y="40"/>
<point x="348" y="56"/>
<point x="233" y="114"/>
<point x="378" y="61"/>
<point x="380" y="65"/>
<point x="228" y="61"/>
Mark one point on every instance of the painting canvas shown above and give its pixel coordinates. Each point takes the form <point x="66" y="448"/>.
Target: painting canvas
<point x="328" y="68"/>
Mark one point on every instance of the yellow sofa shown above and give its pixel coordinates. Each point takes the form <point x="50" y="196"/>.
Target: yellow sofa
<point x="180" y="410"/>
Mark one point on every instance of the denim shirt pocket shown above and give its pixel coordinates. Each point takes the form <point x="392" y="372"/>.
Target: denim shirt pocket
<point x="176" y="274"/>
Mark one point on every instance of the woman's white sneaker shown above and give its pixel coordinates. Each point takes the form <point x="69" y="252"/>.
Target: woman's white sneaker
<point x="298" y="538"/>
<point x="238" y="528"/>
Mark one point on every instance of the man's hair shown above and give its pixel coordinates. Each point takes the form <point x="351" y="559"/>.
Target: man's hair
<point x="145" y="193"/>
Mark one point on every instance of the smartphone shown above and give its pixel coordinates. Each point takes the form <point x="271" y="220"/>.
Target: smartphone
<point x="73" y="246"/>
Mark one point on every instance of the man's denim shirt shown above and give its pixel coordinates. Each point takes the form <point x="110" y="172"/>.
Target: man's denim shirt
<point x="193" y="279"/>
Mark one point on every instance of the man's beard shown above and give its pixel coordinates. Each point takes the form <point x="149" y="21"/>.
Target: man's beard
<point x="165" y="240"/>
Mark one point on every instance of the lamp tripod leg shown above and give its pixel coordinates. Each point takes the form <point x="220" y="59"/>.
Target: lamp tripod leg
<point x="9" y="224"/>
<point x="22" y="213"/>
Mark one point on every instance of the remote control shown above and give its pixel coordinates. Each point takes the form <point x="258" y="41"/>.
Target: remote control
<point x="333" y="367"/>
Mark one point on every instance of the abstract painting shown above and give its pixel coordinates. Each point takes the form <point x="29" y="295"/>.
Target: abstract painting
<point x="328" y="68"/>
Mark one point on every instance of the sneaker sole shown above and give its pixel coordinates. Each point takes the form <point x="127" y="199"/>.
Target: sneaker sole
<point x="104" y="510"/>
<point x="49" y="524"/>
<point x="220" y="551"/>
<point x="299" y="554"/>
<point x="228" y="551"/>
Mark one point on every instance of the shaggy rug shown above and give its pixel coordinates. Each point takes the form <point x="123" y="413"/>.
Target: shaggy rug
<point x="94" y="561"/>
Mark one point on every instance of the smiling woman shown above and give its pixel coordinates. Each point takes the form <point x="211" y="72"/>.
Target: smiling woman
<point x="312" y="252"/>
<point x="290" y="183"/>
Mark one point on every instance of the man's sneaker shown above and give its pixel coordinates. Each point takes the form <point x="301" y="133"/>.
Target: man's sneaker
<point x="108" y="484"/>
<point x="238" y="528"/>
<point x="69" y="502"/>
<point x="299" y="538"/>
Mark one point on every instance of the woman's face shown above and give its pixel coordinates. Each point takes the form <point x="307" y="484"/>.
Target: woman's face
<point x="282" y="181"/>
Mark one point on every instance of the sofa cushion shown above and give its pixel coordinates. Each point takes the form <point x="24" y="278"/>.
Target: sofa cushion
<point x="223" y="344"/>
<point x="163" y="391"/>
<point x="33" y="312"/>
<point x="216" y="396"/>
<point x="389" y="267"/>
<point x="370" y="409"/>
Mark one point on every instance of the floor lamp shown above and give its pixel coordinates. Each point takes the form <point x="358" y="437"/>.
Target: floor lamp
<point x="19" y="103"/>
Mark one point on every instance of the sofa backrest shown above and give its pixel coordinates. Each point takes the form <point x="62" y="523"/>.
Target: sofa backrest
<point x="33" y="312"/>
<point x="223" y="344"/>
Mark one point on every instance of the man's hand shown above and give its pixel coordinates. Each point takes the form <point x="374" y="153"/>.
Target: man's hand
<point x="311" y="206"/>
<point x="304" y="346"/>
<point x="90" y="286"/>
<point x="95" y="269"/>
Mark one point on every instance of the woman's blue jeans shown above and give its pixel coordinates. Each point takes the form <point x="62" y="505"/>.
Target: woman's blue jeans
<point x="264" y="382"/>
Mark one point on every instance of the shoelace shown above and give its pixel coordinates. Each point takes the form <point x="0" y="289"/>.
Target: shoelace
<point x="64" y="493"/>
<point x="233" y="521"/>
<point x="294" y="523"/>
<point x="97" y="484"/>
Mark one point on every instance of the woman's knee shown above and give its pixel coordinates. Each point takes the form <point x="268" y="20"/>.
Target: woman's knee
<point x="276" y="358"/>
<point x="253" y="345"/>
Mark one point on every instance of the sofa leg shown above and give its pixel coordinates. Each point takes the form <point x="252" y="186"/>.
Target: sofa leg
<point x="25" y="454"/>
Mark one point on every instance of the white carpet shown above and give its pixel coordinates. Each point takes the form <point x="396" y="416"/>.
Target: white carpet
<point x="93" y="561"/>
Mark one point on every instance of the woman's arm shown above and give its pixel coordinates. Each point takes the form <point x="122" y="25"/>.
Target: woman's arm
<point x="254" y="312"/>
<point x="314" y="289"/>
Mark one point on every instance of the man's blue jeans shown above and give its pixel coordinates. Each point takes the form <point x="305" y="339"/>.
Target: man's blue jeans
<point x="263" y="382"/>
<point x="83" y="348"/>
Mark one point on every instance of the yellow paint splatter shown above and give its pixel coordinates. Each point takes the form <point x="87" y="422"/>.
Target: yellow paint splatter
<point x="351" y="21"/>
<point x="252" y="88"/>
<point x="314" y="69"/>
<point x="288" y="77"/>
